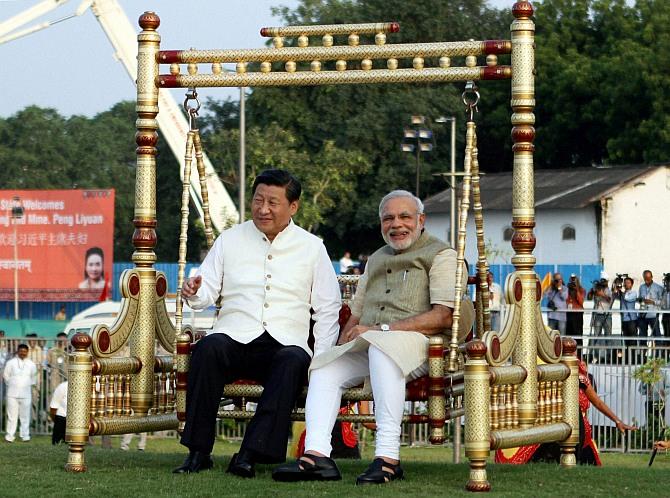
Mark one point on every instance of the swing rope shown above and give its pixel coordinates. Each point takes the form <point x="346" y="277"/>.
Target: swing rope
<point x="470" y="183"/>
<point x="193" y="145"/>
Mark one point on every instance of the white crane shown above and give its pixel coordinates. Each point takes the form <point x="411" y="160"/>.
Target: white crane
<point x="173" y="125"/>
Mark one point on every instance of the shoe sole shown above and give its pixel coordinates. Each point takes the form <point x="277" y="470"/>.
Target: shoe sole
<point x="324" y="475"/>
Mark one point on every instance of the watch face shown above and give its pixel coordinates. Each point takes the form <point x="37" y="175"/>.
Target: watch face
<point x="385" y="327"/>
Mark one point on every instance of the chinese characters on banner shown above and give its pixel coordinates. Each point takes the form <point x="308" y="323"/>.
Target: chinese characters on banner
<point x="57" y="245"/>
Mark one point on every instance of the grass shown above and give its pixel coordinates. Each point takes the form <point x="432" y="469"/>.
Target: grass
<point x="36" y="469"/>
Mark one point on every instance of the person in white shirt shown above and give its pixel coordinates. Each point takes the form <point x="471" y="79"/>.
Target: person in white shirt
<point x="58" y="412"/>
<point x="20" y="376"/>
<point x="346" y="262"/>
<point x="273" y="277"/>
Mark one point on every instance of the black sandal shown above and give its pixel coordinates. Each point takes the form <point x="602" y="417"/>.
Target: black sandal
<point x="380" y="472"/>
<point x="323" y="469"/>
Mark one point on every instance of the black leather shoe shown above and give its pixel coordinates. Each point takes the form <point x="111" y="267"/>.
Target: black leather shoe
<point x="380" y="472"/>
<point x="195" y="462"/>
<point x="242" y="465"/>
<point x="323" y="469"/>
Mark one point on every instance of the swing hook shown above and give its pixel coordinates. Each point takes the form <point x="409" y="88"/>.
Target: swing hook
<point x="192" y="111"/>
<point x="470" y="98"/>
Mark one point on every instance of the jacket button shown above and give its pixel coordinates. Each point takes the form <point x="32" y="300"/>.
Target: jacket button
<point x="388" y="290"/>
<point x="266" y="305"/>
<point x="269" y="256"/>
<point x="267" y="287"/>
<point x="265" y="324"/>
<point x="388" y="271"/>
<point x="383" y="308"/>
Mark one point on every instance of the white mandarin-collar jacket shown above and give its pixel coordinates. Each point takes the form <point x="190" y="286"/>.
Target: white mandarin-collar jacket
<point x="20" y="376"/>
<point x="271" y="286"/>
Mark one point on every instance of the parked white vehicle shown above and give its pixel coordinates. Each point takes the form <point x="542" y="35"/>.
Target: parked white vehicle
<point x="106" y="312"/>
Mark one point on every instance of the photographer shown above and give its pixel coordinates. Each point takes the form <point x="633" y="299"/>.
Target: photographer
<point x="601" y="319"/>
<point x="627" y="296"/>
<point x="576" y="296"/>
<point x="557" y="296"/>
<point x="665" y="306"/>
<point x="650" y="297"/>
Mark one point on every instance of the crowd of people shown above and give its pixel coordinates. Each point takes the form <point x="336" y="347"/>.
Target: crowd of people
<point x="28" y="368"/>
<point x="643" y="310"/>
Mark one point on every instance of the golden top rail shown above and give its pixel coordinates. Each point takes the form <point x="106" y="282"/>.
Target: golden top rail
<point x="308" y="78"/>
<point x="332" y="29"/>
<point x="340" y="52"/>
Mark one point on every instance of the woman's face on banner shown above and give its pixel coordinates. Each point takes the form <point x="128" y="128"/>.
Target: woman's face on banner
<point x="94" y="267"/>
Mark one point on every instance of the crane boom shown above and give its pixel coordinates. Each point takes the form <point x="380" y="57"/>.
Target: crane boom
<point x="171" y="121"/>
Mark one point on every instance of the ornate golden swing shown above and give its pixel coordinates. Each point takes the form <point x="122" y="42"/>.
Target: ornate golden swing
<point x="509" y="399"/>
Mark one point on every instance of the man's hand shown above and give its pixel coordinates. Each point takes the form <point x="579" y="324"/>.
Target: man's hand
<point x="352" y="333"/>
<point x="191" y="286"/>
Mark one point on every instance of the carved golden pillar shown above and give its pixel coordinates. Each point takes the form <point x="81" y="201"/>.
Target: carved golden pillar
<point x="80" y="381"/>
<point x="523" y="202"/>
<point x="143" y="338"/>
<point x="182" y="363"/>
<point x="570" y="403"/>
<point x="477" y="426"/>
<point x="437" y="408"/>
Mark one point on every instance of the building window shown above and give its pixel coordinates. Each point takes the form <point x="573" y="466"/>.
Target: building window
<point x="508" y="233"/>
<point x="568" y="232"/>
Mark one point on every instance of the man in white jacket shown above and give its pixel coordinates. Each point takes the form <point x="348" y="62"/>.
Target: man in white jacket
<point x="273" y="277"/>
<point x="20" y="376"/>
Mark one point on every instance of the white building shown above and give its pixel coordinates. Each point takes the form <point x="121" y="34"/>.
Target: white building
<point x="618" y="217"/>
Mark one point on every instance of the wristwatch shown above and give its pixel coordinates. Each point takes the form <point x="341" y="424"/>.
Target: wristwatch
<point x="385" y="327"/>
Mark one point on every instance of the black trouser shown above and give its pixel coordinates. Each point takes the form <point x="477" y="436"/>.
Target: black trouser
<point x="58" y="433"/>
<point x="217" y="360"/>
<point x="666" y="324"/>
<point x="645" y="323"/>
<point x="629" y="329"/>
<point x="575" y="325"/>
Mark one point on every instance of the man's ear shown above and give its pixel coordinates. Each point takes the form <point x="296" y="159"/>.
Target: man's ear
<point x="422" y="220"/>
<point x="293" y="207"/>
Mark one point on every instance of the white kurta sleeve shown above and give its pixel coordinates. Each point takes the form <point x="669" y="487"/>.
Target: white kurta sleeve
<point x="211" y="271"/>
<point x="326" y="303"/>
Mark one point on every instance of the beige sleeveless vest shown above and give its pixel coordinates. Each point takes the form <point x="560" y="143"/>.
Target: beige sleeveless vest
<point x="398" y="285"/>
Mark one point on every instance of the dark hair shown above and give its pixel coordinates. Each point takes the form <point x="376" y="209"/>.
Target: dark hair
<point x="90" y="252"/>
<point x="629" y="278"/>
<point x="23" y="346"/>
<point x="280" y="178"/>
<point x="32" y="334"/>
<point x="61" y="334"/>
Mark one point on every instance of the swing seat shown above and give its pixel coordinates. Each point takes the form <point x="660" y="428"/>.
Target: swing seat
<point x="441" y="390"/>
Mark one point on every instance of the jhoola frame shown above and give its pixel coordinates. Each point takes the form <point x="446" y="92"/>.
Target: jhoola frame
<point x="523" y="337"/>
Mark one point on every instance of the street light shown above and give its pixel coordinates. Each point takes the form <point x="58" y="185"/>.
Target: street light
<point x="423" y="138"/>
<point x="452" y="179"/>
<point x="17" y="215"/>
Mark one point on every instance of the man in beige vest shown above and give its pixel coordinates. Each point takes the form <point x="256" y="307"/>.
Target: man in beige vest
<point x="406" y="294"/>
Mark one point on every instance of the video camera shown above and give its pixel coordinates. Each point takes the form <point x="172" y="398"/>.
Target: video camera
<point x="600" y="284"/>
<point x="666" y="281"/>
<point x="618" y="281"/>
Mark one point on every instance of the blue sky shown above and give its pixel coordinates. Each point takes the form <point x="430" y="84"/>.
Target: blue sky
<point x="71" y="66"/>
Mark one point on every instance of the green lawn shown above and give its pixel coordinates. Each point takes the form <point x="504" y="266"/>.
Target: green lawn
<point x="36" y="469"/>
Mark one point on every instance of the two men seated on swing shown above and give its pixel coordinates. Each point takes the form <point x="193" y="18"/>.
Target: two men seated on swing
<point x="406" y="293"/>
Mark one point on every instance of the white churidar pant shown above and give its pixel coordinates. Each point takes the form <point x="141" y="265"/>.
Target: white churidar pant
<point x="388" y="386"/>
<point x="18" y="410"/>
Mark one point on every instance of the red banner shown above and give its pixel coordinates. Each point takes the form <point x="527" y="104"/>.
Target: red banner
<point x="56" y="245"/>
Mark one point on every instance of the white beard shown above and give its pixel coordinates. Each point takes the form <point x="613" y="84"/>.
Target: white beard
<point x="404" y="245"/>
